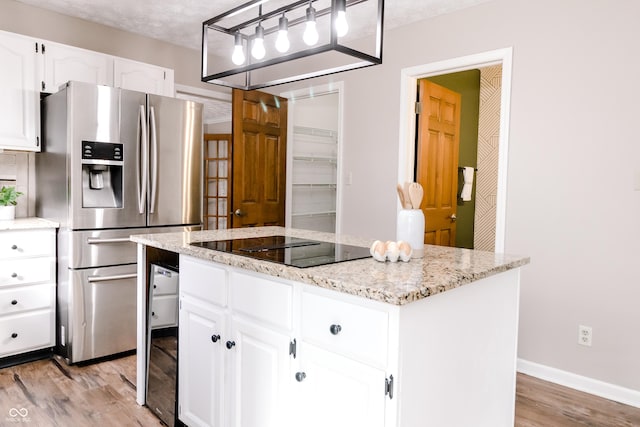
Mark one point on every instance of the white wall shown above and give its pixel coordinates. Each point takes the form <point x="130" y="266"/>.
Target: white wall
<point x="574" y="153"/>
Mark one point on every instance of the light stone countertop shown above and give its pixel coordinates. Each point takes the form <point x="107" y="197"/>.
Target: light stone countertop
<point x="26" y="224"/>
<point x="441" y="269"/>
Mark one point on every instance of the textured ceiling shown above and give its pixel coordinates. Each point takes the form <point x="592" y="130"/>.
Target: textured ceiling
<point x="180" y="21"/>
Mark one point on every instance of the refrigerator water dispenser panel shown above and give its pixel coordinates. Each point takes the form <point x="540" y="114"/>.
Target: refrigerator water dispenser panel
<point x="101" y="174"/>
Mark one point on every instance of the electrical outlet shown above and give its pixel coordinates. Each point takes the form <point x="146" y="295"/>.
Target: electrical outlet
<point x="585" y="335"/>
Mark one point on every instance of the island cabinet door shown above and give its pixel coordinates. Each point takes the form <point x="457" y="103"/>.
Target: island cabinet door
<point x="201" y="363"/>
<point x="336" y="391"/>
<point x="260" y="364"/>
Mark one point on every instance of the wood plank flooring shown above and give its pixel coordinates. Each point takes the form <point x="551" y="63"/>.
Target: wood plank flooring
<point x="49" y="393"/>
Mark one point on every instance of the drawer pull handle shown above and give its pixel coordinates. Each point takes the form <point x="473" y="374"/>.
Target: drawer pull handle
<point x="14" y="275"/>
<point x="14" y="247"/>
<point x="230" y="344"/>
<point x="215" y="338"/>
<point x="93" y="279"/>
<point x="300" y="376"/>
<point x="14" y="335"/>
<point x="335" y="329"/>
<point x="14" y="302"/>
<point x="97" y="241"/>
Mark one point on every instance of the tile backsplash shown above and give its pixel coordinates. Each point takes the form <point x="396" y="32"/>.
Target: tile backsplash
<point x="18" y="169"/>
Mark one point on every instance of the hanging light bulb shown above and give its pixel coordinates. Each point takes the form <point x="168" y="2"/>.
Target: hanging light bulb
<point x="342" y="26"/>
<point x="238" y="53"/>
<point x="258" y="51"/>
<point x="282" y="42"/>
<point x="310" y="35"/>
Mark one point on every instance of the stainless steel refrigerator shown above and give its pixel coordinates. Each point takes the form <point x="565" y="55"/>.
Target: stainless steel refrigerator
<point x="113" y="163"/>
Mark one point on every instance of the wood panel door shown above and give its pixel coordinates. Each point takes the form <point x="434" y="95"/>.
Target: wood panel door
<point x="259" y="159"/>
<point x="437" y="160"/>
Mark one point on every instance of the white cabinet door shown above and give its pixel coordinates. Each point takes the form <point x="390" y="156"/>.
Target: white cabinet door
<point x="134" y="75"/>
<point x="200" y="364"/>
<point x="332" y="390"/>
<point x="260" y="364"/>
<point x="63" y="63"/>
<point x="19" y="93"/>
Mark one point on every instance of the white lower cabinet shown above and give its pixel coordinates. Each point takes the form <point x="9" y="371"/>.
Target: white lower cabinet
<point x="27" y="291"/>
<point x="234" y="367"/>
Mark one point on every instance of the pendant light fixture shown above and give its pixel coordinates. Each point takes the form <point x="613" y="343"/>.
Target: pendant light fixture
<point x="310" y="35"/>
<point x="342" y="26"/>
<point x="238" y="51"/>
<point x="283" y="40"/>
<point x="258" y="51"/>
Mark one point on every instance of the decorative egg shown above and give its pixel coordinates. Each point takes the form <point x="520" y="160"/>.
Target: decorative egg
<point x="378" y="251"/>
<point x="392" y="251"/>
<point x="405" y="251"/>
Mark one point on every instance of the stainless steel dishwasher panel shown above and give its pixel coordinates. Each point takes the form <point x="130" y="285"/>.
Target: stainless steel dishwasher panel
<point x="101" y="313"/>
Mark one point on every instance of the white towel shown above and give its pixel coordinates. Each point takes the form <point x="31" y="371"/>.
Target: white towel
<point x="467" y="174"/>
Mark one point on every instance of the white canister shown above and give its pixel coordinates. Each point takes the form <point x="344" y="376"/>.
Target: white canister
<point x="411" y="230"/>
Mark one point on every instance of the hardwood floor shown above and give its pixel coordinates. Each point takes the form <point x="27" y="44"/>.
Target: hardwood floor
<point x="49" y="393"/>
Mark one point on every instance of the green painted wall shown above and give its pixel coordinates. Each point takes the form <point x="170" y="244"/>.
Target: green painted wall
<point x="467" y="84"/>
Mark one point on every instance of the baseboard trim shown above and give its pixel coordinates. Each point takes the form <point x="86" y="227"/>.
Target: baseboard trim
<point x="578" y="382"/>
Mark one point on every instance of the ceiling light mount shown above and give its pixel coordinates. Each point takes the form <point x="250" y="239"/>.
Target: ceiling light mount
<point x="294" y="41"/>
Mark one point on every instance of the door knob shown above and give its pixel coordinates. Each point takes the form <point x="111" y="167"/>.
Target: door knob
<point x="453" y="217"/>
<point x="238" y="212"/>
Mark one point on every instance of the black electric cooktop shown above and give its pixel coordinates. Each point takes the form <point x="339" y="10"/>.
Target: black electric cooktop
<point x="291" y="251"/>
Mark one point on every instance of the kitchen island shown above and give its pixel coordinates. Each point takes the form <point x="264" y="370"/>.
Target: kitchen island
<point x="428" y="342"/>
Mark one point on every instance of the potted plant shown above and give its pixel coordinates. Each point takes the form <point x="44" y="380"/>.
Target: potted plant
<point x="8" y="196"/>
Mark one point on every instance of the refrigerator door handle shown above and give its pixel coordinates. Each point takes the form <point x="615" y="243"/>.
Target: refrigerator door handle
<point x="95" y="240"/>
<point x="93" y="279"/>
<point x="142" y="172"/>
<point x="153" y="161"/>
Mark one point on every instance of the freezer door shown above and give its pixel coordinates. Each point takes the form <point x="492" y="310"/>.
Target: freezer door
<point x="101" y="314"/>
<point x="175" y="161"/>
<point x="103" y="195"/>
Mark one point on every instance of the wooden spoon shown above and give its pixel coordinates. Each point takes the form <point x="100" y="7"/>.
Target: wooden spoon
<point x="407" y="198"/>
<point x="415" y="194"/>
<point x="401" y="195"/>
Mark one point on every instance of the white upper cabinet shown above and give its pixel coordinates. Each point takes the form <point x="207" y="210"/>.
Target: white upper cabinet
<point x="143" y="77"/>
<point x="63" y="63"/>
<point x="19" y="93"/>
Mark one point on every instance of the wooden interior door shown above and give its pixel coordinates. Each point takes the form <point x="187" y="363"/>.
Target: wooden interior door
<point x="259" y="159"/>
<point x="437" y="160"/>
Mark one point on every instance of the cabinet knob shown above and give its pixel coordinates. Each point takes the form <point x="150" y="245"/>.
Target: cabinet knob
<point x="14" y="302"/>
<point x="300" y="376"/>
<point x="14" y="275"/>
<point x="153" y="314"/>
<point x="230" y="344"/>
<point x="335" y="329"/>
<point x="215" y="338"/>
<point x="14" y="247"/>
<point x="14" y="335"/>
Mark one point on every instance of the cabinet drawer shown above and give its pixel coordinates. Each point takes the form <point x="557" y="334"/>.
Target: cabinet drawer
<point x="350" y="329"/>
<point x="203" y="280"/>
<point x="164" y="311"/>
<point x="26" y="332"/>
<point x="27" y="243"/>
<point x="25" y="298"/>
<point x="27" y="271"/>
<point x="262" y="299"/>
<point x="165" y="282"/>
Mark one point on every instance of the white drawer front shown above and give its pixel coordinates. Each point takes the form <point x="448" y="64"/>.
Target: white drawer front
<point x="203" y="280"/>
<point x="165" y="282"/>
<point x="27" y="271"/>
<point x="24" y="298"/>
<point x="350" y="329"/>
<point x="164" y="311"/>
<point x="262" y="299"/>
<point x="27" y="243"/>
<point x="26" y="332"/>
